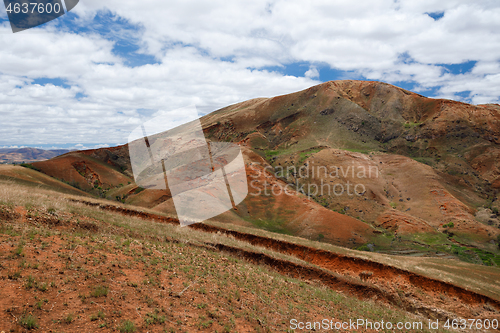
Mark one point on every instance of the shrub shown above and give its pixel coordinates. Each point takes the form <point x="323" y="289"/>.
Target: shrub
<point x="19" y="250"/>
<point x="29" y="166"/>
<point x="127" y="327"/>
<point x="30" y="282"/>
<point x="363" y="247"/>
<point x="28" y="322"/>
<point x="69" y="318"/>
<point x="43" y="286"/>
<point x="99" y="315"/>
<point x="100" y="291"/>
<point x="139" y="190"/>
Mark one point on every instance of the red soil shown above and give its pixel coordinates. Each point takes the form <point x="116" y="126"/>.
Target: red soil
<point x="77" y="168"/>
<point x="385" y="283"/>
<point x="401" y="223"/>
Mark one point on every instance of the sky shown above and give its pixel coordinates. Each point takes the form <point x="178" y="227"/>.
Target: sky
<point x="88" y="78"/>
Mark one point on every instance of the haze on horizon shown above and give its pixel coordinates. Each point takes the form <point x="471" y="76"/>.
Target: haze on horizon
<point x="88" y="78"/>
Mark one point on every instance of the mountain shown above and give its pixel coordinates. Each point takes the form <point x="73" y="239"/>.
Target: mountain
<point x="21" y="155"/>
<point x="370" y="165"/>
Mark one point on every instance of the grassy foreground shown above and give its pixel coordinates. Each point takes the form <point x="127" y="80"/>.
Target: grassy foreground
<point x="69" y="267"/>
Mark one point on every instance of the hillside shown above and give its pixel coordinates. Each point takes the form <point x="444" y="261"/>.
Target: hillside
<point x="26" y="155"/>
<point x="73" y="263"/>
<point x="383" y="169"/>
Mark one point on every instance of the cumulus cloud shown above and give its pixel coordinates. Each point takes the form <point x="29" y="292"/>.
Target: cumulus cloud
<point x="218" y="53"/>
<point x="312" y="73"/>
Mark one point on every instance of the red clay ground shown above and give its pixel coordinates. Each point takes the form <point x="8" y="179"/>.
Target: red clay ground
<point x="66" y="272"/>
<point x="410" y="291"/>
<point x="84" y="171"/>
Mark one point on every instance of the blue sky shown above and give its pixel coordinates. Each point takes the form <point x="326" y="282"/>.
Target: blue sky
<point x="91" y="76"/>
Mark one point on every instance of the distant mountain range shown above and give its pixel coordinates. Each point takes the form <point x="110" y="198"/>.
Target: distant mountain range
<point x="21" y="155"/>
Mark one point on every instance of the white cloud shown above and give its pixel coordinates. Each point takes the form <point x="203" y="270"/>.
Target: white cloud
<point x="312" y="73"/>
<point x="216" y="53"/>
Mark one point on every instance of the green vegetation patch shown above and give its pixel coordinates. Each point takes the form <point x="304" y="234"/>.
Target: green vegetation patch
<point x="411" y="124"/>
<point x="271" y="153"/>
<point x="272" y="225"/>
<point x="139" y="190"/>
<point x="29" y="166"/>
<point x="425" y="160"/>
<point x="127" y="327"/>
<point x="100" y="291"/>
<point x="306" y="154"/>
<point x="28" y="321"/>
<point x="488" y="258"/>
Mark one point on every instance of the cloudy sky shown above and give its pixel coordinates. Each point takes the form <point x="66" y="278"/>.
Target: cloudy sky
<point x="90" y="77"/>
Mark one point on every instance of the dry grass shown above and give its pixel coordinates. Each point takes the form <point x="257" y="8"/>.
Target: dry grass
<point x="134" y="264"/>
<point x="482" y="279"/>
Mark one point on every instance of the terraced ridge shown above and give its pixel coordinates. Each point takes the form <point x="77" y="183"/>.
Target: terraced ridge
<point x="408" y="290"/>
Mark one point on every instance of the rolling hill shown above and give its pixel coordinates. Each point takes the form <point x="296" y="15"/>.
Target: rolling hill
<point x="369" y="165"/>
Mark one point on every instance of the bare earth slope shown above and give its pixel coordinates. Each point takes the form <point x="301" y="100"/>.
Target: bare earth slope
<point x="427" y="171"/>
